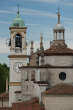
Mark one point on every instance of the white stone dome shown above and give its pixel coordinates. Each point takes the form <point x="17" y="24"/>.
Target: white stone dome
<point x="59" y="27"/>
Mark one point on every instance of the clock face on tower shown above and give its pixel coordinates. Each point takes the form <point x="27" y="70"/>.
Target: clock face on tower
<point x="17" y="65"/>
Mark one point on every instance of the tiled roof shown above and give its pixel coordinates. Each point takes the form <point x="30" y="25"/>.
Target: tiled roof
<point x="61" y="89"/>
<point x="5" y="108"/>
<point x="29" y="105"/>
<point x="58" y="51"/>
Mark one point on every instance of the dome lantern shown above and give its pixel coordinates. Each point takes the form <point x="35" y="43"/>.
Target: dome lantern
<point x="58" y="29"/>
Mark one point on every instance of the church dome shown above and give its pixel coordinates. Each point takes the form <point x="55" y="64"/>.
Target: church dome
<point x="59" y="27"/>
<point x="18" y="22"/>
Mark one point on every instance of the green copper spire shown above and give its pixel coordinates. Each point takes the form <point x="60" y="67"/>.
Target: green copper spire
<point x="18" y="22"/>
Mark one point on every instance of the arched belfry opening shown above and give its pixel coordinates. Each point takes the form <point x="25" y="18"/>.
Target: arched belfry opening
<point x="18" y="41"/>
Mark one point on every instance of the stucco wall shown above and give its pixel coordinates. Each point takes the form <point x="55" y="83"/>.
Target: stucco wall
<point x="52" y="75"/>
<point x="12" y="95"/>
<point x="33" y="60"/>
<point x="58" y="60"/>
<point x="58" y="102"/>
<point x="15" y="76"/>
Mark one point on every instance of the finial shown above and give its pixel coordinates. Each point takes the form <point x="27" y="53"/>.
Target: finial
<point x="41" y="41"/>
<point x="18" y="9"/>
<point x="41" y="37"/>
<point x="58" y="13"/>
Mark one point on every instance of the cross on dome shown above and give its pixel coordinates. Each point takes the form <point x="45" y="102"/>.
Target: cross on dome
<point x="58" y="14"/>
<point x="18" y="12"/>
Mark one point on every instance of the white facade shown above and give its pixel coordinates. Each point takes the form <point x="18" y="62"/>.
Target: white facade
<point x="57" y="60"/>
<point x="51" y="75"/>
<point x="62" y="102"/>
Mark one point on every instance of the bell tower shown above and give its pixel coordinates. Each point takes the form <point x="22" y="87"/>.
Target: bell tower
<point x="18" y="36"/>
<point x="18" y="55"/>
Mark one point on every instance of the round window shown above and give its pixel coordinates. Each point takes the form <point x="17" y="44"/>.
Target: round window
<point x="62" y="76"/>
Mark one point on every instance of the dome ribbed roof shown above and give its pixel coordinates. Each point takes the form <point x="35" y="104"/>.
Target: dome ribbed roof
<point x="18" y="22"/>
<point x="59" y="27"/>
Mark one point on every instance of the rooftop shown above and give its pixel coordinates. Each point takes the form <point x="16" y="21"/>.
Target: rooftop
<point x="60" y="89"/>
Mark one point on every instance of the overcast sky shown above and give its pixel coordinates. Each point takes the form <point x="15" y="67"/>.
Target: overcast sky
<point x="39" y="16"/>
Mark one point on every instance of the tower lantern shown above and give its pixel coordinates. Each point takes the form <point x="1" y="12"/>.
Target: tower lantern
<point x="59" y="31"/>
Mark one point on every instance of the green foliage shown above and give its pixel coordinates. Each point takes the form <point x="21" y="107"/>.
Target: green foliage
<point x="4" y="74"/>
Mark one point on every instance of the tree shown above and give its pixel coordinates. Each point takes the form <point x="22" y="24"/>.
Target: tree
<point x="4" y="74"/>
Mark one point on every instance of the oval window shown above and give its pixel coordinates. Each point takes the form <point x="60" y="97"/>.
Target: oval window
<point x="62" y="76"/>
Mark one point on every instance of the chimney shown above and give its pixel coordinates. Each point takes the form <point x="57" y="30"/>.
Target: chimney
<point x="31" y="51"/>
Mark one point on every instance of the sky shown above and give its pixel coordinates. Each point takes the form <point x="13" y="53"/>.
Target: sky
<point x="39" y="16"/>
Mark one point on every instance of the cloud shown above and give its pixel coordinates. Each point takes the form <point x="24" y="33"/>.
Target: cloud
<point x="43" y="1"/>
<point x="6" y="12"/>
<point x="5" y="22"/>
<point x="32" y="12"/>
<point x="3" y="46"/>
<point x="49" y="1"/>
<point x="68" y="3"/>
<point x="32" y="24"/>
<point x="46" y="1"/>
<point x="4" y="49"/>
<point x="36" y="45"/>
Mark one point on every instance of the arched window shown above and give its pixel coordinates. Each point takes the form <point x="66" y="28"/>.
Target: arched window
<point x="62" y="76"/>
<point x="18" y="41"/>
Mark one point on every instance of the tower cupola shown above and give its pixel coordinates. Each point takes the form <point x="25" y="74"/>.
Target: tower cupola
<point x="18" y="22"/>
<point x="18" y="35"/>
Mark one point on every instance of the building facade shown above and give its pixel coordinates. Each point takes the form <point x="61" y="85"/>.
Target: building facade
<point x="45" y="69"/>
